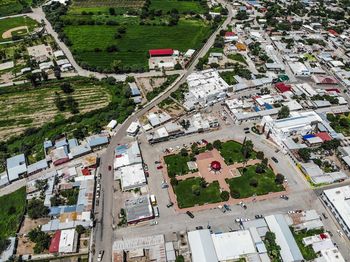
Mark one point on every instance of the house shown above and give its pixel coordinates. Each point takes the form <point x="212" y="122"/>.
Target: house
<point x="133" y="129"/>
<point x="111" y="125"/>
<point x="161" y="52"/>
<point x="16" y="166"/>
<point x="97" y="140"/>
<point x="138" y="209"/>
<point x="68" y="241"/>
<point x="241" y="47"/>
<point x="59" y="155"/>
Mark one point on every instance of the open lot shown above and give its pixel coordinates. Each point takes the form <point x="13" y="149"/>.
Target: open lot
<point x="24" y="106"/>
<point x="11" y="212"/>
<point x="186" y="197"/>
<point x="18" y="26"/>
<point x="134" y="45"/>
<point x="242" y="185"/>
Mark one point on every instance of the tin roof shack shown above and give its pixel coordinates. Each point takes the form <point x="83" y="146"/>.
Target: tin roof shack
<point x="99" y="140"/>
<point x="16" y="166"/>
<point x="138" y="209"/>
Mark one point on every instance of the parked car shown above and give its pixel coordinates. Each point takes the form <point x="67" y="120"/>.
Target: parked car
<point x="170" y="204"/>
<point x="285" y="197"/>
<point x="204" y="141"/>
<point x="246" y="128"/>
<point x="258" y="216"/>
<point x="227" y="207"/>
<point x="274" y="159"/>
<point x="109" y="168"/>
<point x="159" y="167"/>
<point x="247" y="132"/>
<point x="153" y="223"/>
<point x="100" y="255"/>
<point x="189" y="213"/>
<point x="157" y="162"/>
<point x="199" y="227"/>
<point x="324" y="215"/>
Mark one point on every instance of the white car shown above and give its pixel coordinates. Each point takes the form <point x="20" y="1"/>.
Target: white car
<point x="153" y="223"/>
<point x="100" y="255"/>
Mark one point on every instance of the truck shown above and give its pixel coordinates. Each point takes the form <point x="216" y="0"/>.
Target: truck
<point x="153" y="200"/>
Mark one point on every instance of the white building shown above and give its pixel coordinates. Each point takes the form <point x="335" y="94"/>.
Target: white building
<point x="205" y="88"/>
<point x="299" y="69"/>
<point x="202" y="246"/>
<point x="133" y="129"/>
<point x="131" y="176"/>
<point x="68" y="241"/>
<point x="338" y="201"/>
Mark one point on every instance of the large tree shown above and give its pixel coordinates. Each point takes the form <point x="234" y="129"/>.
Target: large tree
<point x="283" y="112"/>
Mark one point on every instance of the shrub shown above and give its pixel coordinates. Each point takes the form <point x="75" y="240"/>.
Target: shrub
<point x="225" y="195"/>
<point x="253" y="182"/>
<point x="235" y="194"/>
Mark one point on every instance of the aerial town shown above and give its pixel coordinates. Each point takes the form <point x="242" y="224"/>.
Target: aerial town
<point x="175" y="130"/>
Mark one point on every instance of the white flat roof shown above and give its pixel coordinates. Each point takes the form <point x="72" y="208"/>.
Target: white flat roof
<point x="132" y="176"/>
<point x="340" y="198"/>
<point x="202" y="246"/>
<point x="67" y="241"/>
<point x="232" y="245"/>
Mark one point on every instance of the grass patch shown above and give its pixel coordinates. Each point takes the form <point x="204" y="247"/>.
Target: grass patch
<point x="134" y="44"/>
<point x="340" y="123"/>
<point x="228" y="77"/>
<point x="177" y="165"/>
<point x="11" y="7"/>
<point x="12" y="211"/>
<point x="181" y="6"/>
<point x="265" y="183"/>
<point x="186" y="197"/>
<point x="238" y="57"/>
<point x="9" y="23"/>
<point x="231" y="151"/>
<point x="307" y="251"/>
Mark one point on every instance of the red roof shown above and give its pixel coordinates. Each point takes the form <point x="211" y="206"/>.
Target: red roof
<point x="228" y="34"/>
<point x="331" y="31"/>
<point x="324" y="136"/>
<point x="161" y="52"/>
<point x="215" y="165"/>
<point x="333" y="90"/>
<point x="85" y="171"/>
<point x="323" y="236"/>
<point x="282" y="87"/>
<point x="55" y="242"/>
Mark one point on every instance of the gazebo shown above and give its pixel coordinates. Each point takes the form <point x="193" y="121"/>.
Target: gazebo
<point x="215" y="166"/>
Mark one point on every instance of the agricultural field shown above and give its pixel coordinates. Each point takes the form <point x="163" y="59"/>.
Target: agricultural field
<point x="24" y="106"/>
<point x="134" y="45"/>
<point x="181" y="6"/>
<point x="16" y="26"/>
<point x="12" y="210"/>
<point x="11" y="7"/>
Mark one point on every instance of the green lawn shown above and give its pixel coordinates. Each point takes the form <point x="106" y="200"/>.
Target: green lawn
<point x="231" y="151"/>
<point x="238" y="57"/>
<point x="186" y="198"/>
<point x="11" y="7"/>
<point x="307" y="251"/>
<point x="134" y="44"/>
<point x="266" y="183"/>
<point x="9" y="23"/>
<point x="228" y="77"/>
<point x="11" y="212"/>
<point x="340" y="123"/>
<point x="177" y="165"/>
<point x="181" y="6"/>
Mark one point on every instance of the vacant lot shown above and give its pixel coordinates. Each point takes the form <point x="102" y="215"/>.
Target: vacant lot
<point x="24" y="106"/>
<point x="177" y="165"/>
<point x="11" y="212"/>
<point x="14" y="23"/>
<point x="231" y="151"/>
<point x="245" y="186"/>
<point x="90" y="42"/>
<point x="181" y="6"/>
<point x="189" y="193"/>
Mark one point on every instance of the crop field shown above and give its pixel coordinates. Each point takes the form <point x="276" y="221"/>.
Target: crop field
<point x="24" y="106"/>
<point x="181" y="6"/>
<point x="135" y="43"/>
<point x="10" y="7"/>
<point x="102" y="6"/>
<point x="14" y="23"/>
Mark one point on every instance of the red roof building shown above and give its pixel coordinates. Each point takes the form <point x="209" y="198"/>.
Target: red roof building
<point x="55" y="242"/>
<point x="282" y="87"/>
<point x="324" y="136"/>
<point x="336" y="90"/>
<point x="215" y="165"/>
<point x="332" y="32"/>
<point x="86" y="172"/>
<point x="229" y="34"/>
<point x="324" y="80"/>
<point x="161" y="52"/>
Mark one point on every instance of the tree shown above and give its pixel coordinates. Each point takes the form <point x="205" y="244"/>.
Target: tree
<point x="4" y="243"/>
<point x="209" y="146"/>
<point x="225" y="195"/>
<point x="80" y="229"/>
<point x="203" y="183"/>
<point x="184" y="152"/>
<point x="253" y="182"/>
<point x="283" y="112"/>
<point x="260" y="155"/>
<point x="177" y="66"/>
<point x="235" y="194"/>
<point x="41" y="240"/>
<point x="217" y="144"/>
<point x="279" y="179"/>
<point x="304" y="154"/>
<point x="331" y="144"/>
<point x="41" y="185"/>
<point x="260" y="168"/>
<point x="180" y="258"/>
<point x="265" y="162"/>
<point x="194" y="148"/>
<point x="112" y="11"/>
<point x="196" y="190"/>
<point x="116" y="65"/>
<point x="37" y="209"/>
<point x="72" y="104"/>
<point x="174" y="181"/>
<point x="60" y="104"/>
<point x="67" y="88"/>
<point x="247" y="148"/>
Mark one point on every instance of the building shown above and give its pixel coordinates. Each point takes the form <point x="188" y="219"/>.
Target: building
<point x="338" y="201"/>
<point x="158" y="118"/>
<point x="37" y="167"/>
<point x="127" y="154"/>
<point x="299" y="69"/>
<point x="16" y="166"/>
<point x="284" y="238"/>
<point x="59" y="155"/>
<point x="68" y="241"/>
<point x="138" y="209"/>
<point x="202" y="246"/>
<point x="131" y="176"/>
<point x="133" y="129"/>
<point x="161" y="52"/>
<point x="97" y="140"/>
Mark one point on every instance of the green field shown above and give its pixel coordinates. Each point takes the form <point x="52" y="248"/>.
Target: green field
<point x="134" y="45"/>
<point x="11" y="7"/>
<point x="11" y="212"/>
<point x="241" y="185"/>
<point x="237" y="57"/>
<point x="229" y="78"/>
<point x="23" y="106"/>
<point x="9" y="23"/>
<point x="186" y="197"/>
<point x="177" y="165"/>
<point x="231" y="151"/>
<point x="181" y="6"/>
